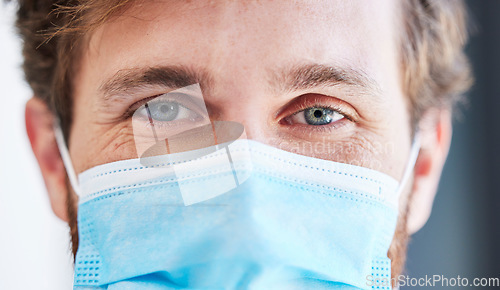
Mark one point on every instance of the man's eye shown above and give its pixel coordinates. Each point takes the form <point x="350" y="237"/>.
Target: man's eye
<point x="167" y="111"/>
<point x="315" y="116"/>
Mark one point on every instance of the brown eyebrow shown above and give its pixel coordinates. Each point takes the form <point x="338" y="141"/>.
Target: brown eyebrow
<point x="294" y="78"/>
<point x="309" y="76"/>
<point x="127" y="80"/>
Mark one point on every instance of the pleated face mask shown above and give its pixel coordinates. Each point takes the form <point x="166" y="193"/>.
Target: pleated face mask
<point x="205" y="208"/>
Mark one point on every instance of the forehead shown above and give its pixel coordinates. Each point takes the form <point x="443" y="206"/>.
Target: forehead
<point x="238" y="40"/>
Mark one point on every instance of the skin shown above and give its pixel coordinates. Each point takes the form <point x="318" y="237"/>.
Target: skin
<point x="239" y="48"/>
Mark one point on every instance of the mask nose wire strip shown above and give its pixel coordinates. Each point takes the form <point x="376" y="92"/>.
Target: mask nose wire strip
<point x="415" y="150"/>
<point x="63" y="150"/>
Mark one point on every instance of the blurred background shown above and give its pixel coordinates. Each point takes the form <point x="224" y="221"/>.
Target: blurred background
<point x="462" y="236"/>
<point x="34" y="244"/>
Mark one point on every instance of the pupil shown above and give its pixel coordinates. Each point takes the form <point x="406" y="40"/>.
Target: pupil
<point x="165" y="108"/>
<point x="318" y="114"/>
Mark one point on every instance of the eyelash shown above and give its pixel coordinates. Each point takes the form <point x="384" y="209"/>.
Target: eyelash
<point x="298" y="106"/>
<point x="135" y="106"/>
<point x="303" y="107"/>
<point x="304" y="102"/>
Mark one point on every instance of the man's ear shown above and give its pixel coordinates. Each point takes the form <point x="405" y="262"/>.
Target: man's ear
<point x="435" y="132"/>
<point x="39" y="126"/>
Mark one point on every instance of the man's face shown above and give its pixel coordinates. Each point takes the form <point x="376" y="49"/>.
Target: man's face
<point x="259" y="63"/>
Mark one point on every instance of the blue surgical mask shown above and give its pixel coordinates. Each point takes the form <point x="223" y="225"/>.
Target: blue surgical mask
<point x="271" y="220"/>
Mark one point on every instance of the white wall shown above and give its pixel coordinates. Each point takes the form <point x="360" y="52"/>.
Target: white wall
<point x="34" y="244"/>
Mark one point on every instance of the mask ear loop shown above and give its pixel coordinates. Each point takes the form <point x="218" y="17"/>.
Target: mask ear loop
<point x="63" y="149"/>
<point x="415" y="150"/>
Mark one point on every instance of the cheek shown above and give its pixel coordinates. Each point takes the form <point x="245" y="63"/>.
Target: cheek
<point x="366" y="152"/>
<point x="108" y="144"/>
<point x="370" y="151"/>
<point x="363" y="149"/>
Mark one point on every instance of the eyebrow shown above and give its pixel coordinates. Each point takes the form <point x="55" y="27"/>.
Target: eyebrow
<point x="294" y="78"/>
<point x="126" y="81"/>
<point x="303" y="77"/>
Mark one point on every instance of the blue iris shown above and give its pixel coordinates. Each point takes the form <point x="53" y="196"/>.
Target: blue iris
<point x="163" y="111"/>
<point x="318" y="116"/>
